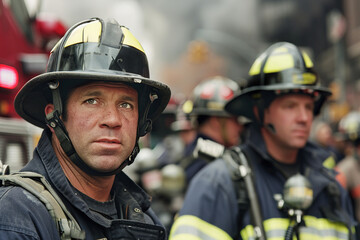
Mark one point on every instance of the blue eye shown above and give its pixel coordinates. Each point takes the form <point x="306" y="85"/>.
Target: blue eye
<point x="91" y="101"/>
<point x="126" y="105"/>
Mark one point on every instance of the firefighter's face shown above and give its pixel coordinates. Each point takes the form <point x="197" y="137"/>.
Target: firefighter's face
<point x="102" y="123"/>
<point x="292" y="116"/>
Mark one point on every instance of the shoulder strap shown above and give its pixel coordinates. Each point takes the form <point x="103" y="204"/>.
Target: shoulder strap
<point x="36" y="184"/>
<point x="242" y="178"/>
<point x="239" y="183"/>
<point x="333" y="190"/>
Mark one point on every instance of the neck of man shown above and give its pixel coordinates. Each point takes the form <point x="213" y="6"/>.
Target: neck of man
<point x="95" y="187"/>
<point x="279" y="152"/>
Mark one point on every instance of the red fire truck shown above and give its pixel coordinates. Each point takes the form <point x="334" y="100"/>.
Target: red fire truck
<point x="25" y="42"/>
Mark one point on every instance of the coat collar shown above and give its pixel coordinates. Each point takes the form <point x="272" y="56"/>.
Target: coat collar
<point x="311" y="157"/>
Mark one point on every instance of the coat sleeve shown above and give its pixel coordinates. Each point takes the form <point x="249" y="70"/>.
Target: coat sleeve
<point x="23" y="216"/>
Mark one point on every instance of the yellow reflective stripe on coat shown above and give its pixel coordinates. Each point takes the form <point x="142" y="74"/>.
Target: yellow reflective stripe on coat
<point x="316" y="229"/>
<point x="189" y="227"/>
<point x="329" y="162"/>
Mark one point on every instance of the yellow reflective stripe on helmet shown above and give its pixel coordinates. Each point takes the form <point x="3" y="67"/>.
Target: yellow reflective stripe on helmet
<point x="89" y="32"/>
<point x="130" y="40"/>
<point x="256" y="67"/>
<point x="279" y="60"/>
<point x="278" y="63"/>
<point x="56" y="45"/>
<point x="329" y="162"/>
<point x="191" y="227"/>
<point x="275" y="63"/>
<point x="304" y="78"/>
<point x="307" y="60"/>
<point x="188" y="106"/>
<point x="316" y="229"/>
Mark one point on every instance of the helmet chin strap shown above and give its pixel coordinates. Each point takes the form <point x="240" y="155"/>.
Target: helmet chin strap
<point x="270" y="127"/>
<point x="53" y="120"/>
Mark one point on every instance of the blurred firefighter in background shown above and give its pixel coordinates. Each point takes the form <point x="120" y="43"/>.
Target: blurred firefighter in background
<point x="183" y="126"/>
<point x="171" y="132"/>
<point x="274" y="186"/>
<point x="324" y="135"/>
<point x="210" y="120"/>
<point x="349" y="167"/>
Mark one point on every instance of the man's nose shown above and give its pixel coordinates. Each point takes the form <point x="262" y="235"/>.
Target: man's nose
<point x="111" y="117"/>
<point x="304" y="113"/>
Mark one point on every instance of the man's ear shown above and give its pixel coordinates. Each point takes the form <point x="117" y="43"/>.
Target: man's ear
<point x="256" y="112"/>
<point x="49" y="108"/>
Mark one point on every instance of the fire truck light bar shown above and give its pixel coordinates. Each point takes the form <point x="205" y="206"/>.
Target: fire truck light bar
<point x="9" y="77"/>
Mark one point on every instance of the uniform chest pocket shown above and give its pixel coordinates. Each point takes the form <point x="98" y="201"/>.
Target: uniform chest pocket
<point x="129" y="230"/>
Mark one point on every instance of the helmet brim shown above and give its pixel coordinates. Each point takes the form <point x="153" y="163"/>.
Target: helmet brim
<point x="31" y="100"/>
<point x="243" y="103"/>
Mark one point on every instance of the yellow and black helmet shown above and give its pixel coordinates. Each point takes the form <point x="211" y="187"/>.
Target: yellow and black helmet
<point x="282" y="69"/>
<point x="93" y="50"/>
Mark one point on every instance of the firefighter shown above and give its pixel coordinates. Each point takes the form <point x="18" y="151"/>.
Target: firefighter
<point x="169" y="145"/>
<point x="183" y="125"/>
<point x="94" y="103"/>
<point x="325" y="137"/>
<point x="349" y="167"/>
<point x="281" y="97"/>
<point x="210" y="120"/>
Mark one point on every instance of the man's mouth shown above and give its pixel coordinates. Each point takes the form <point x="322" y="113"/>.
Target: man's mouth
<point x="106" y="140"/>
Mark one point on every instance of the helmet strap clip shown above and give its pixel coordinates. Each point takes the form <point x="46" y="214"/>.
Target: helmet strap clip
<point x="145" y="123"/>
<point x="54" y="86"/>
<point x="54" y="121"/>
<point x="261" y="118"/>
